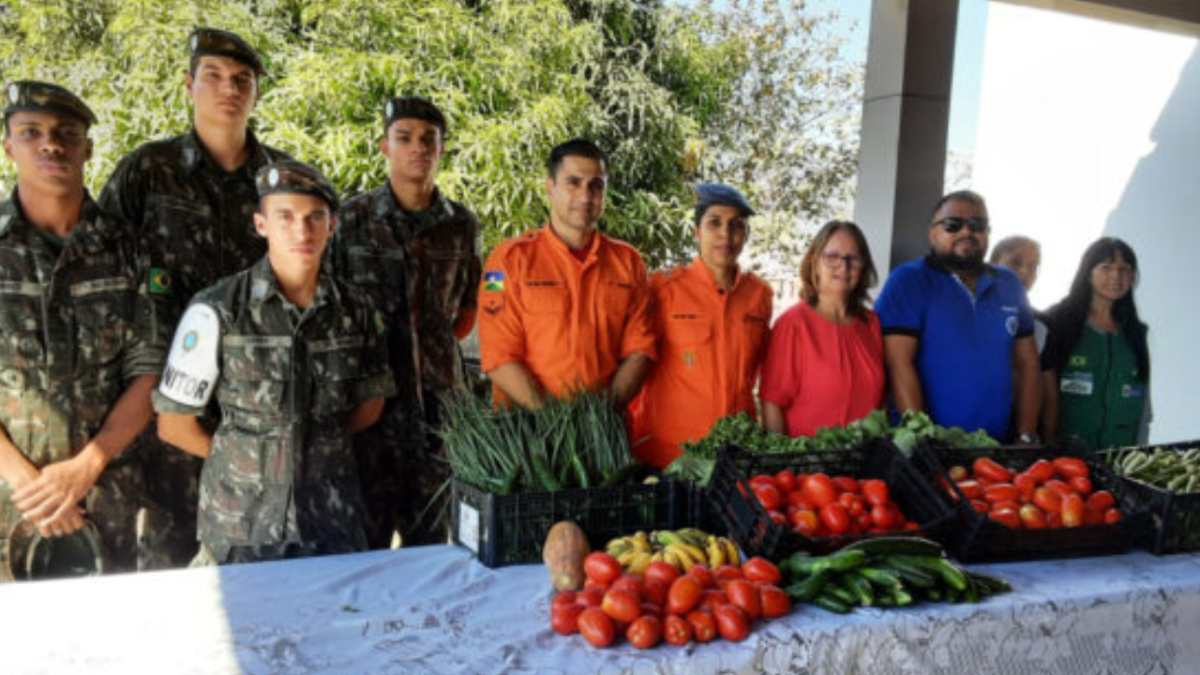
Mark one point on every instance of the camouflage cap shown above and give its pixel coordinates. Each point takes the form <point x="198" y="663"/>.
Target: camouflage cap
<point x="710" y="194"/>
<point x="216" y="42"/>
<point x="292" y="177"/>
<point x="28" y="95"/>
<point x="413" y="107"/>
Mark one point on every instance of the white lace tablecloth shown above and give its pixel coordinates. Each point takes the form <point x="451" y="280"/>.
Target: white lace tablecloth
<point x="436" y="610"/>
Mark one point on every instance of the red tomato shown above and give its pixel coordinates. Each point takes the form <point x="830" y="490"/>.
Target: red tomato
<point x="1007" y="517"/>
<point x="1092" y="516"/>
<point x="1047" y="500"/>
<point x="1112" y="516"/>
<point x="801" y="500"/>
<point x="768" y="495"/>
<point x="1072" y="510"/>
<point x="876" y="492"/>
<point x="1015" y="506"/>
<point x="775" y="602"/>
<point x="589" y="597"/>
<point x="1001" y="492"/>
<point x="745" y="595"/>
<point x="564" y="619"/>
<point x="1071" y="467"/>
<point x="762" y="479"/>
<point x="1025" y="484"/>
<point x="684" y="594"/>
<point x="597" y="627"/>
<point x="980" y="506"/>
<point x="601" y="567"/>
<point x="852" y="502"/>
<point x="677" y="630"/>
<point x="846" y="484"/>
<point x="865" y="520"/>
<point x="1101" y="500"/>
<point x="654" y="592"/>
<point x="992" y="471"/>
<point x="805" y="522"/>
<point x="645" y="632"/>
<point x="835" y="518"/>
<point x="732" y="622"/>
<point x="761" y="570"/>
<point x="971" y="489"/>
<point x="714" y="597"/>
<point x="727" y="572"/>
<point x="820" y="489"/>
<point x="630" y="583"/>
<point x="662" y="572"/>
<point x="958" y="473"/>
<point x="1082" y="485"/>
<point x="1060" y="487"/>
<point x="785" y="480"/>
<point x="704" y="575"/>
<point x="704" y="627"/>
<point x="563" y="598"/>
<point x="651" y="609"/>
<point x="1041" y="471"/>
<point x="777" y="518"/>
<point x="883" y="518"/>
<point x="621" y="605"/>
<point x="1032" y="517"/>
<point x="1053" y="520"/>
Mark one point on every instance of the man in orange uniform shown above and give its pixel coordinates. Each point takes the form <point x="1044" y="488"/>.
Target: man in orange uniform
<point x="565" y="307"/>
<point x="712" y="320"/>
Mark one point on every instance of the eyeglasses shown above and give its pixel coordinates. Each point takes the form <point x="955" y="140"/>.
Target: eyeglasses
<point x="953" y="224"/>
<point x="834" y="260"/>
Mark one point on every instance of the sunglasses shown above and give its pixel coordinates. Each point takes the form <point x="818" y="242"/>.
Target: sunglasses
<point x="953" y="224"/>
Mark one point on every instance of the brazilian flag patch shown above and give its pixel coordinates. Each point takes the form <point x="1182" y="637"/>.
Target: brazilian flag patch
<point x="493" y="281"/>
<point x="160" y="281"/>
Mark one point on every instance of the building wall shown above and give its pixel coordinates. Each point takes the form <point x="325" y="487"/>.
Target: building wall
<point x="1088" y="128"/>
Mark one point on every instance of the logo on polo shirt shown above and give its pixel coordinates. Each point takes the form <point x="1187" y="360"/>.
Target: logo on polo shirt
<point x="1011" y="324"/>
<point x="689" y="359"/>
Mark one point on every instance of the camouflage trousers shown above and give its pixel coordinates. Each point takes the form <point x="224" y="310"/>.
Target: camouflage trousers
<point x="404" y="476"/>
<point x="172" y="489"/>
<point x="210" y="556"/>
<point x="111" y="506"/>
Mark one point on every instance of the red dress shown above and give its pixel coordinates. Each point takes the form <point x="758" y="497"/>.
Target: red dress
<point x="822" y="374"/>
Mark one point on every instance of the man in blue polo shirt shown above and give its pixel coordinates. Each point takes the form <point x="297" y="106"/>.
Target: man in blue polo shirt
<point x="956" y="330"/>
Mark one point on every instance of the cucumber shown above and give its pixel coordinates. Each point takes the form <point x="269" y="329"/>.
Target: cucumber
<point x="831" y="604"/>
<point x="860" y="586"/>
<point x="991" y="584"/>
<point x="901" y="597"/>
<point x="836" y="590"/>
<point x="838" y="562"/>
<point x="897" y="545"/>
<point x="910" y="574"/>
<point x="789" y="566"/>
<point x="806" y="590"/>
<point x="880" y="577"/>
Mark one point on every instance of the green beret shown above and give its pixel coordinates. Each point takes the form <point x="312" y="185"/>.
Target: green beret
<point x="28" y="95"/>
<point x="292" y="177"/>
<point x="215" y="42"/>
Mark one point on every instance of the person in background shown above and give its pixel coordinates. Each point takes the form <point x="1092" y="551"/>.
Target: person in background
<point x="712" y="323"/>
<point x="297" y="361"/>
<point x="1023" y="256"/>
<point x="958" y="333"/>
<point x="566" y="307"/>
<point x="1096" y="365"/>
<point x="824" y="366"/>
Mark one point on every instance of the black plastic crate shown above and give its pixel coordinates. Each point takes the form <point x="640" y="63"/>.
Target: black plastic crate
<point x="510" y="529"/>
<point x="980" y="539"/>
<point x="1176" y="515"/>
<point x="754" y="531"/>
<point x="700" y="510"/>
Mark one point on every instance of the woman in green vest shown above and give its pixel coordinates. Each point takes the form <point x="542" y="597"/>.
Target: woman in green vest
<point x="1096" y="364"/>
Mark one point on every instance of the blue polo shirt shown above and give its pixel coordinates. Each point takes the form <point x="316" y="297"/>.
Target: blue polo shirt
<point x="965" y="341"/>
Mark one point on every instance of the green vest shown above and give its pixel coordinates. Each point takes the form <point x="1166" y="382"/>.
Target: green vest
<point x="1101" y="394"/>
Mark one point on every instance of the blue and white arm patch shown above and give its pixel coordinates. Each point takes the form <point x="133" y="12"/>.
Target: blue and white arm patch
<point x="193" y="365"/>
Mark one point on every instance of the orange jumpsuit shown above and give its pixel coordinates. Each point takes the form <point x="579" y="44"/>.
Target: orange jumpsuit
<point x="711" y="343"/>
<point x="571" y="323"/>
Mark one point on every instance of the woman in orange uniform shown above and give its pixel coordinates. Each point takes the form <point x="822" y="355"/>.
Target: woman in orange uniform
<point x="712" y="322"/>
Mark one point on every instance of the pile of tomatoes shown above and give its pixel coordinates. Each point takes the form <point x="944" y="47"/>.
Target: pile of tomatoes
<point x="665" y="605"/>
<point x="1048" y="494"/>
<point x="816" y="505"/>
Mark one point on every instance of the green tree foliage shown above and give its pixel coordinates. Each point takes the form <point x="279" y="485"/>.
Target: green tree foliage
<point x="653" y="83"/>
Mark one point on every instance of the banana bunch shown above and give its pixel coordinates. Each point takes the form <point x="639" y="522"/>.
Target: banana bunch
<point x="682" y="548"/>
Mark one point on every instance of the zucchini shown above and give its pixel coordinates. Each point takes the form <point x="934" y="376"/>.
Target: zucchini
<point x="860" y="586"/>
<point x="880" y="577"/>
<point x="841" y="561"/>
<point x="836" y="590"/>
<point x="809" y="588"/>
<point x="897" y="545"/>
<point x="830" y="603"/>
<point x="910" y="574"/>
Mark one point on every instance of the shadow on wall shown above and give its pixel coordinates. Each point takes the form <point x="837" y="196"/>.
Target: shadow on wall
<point x="1159" y="215"/>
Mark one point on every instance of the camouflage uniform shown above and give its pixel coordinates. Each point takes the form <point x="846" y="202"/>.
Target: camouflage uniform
<point x="75" y="329"/>
<point x="280" y="479"/>
<point x="196" y="223"/>
<point x="433" y="256"/>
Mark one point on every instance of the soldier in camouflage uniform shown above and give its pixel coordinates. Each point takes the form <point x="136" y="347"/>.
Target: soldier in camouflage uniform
<point x="416" y="254"/>
<point x="76" y="367"/>
<point x="192" y="200"/>
<point x="297" y="362"/>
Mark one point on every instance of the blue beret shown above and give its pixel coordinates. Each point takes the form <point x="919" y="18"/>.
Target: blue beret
<point x="709" y="194"/>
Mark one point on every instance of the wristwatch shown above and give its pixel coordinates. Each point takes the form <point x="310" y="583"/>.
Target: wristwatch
<point x="1026" y="438"/>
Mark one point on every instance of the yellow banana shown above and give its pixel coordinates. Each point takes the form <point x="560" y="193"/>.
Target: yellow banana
<point x="618" y="546"/>
<point x="626" y="559"/>
<point x="731" y="551"/>
<point x="686" y="561"/>
<point x="693" y="536"/>
<point x="641" y="560"/>
<point x="671" y="557"/>
<point x="694" y="552"/>
<point x="716" y="552"/>
<point x="657" y="557"/>
<point x="642" y="545"/>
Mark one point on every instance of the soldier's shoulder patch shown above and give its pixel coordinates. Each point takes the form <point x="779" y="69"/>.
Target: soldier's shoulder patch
<point x="493" y="280"/>
<point x="159" y="281"/>
<point x="193" y="365"/>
